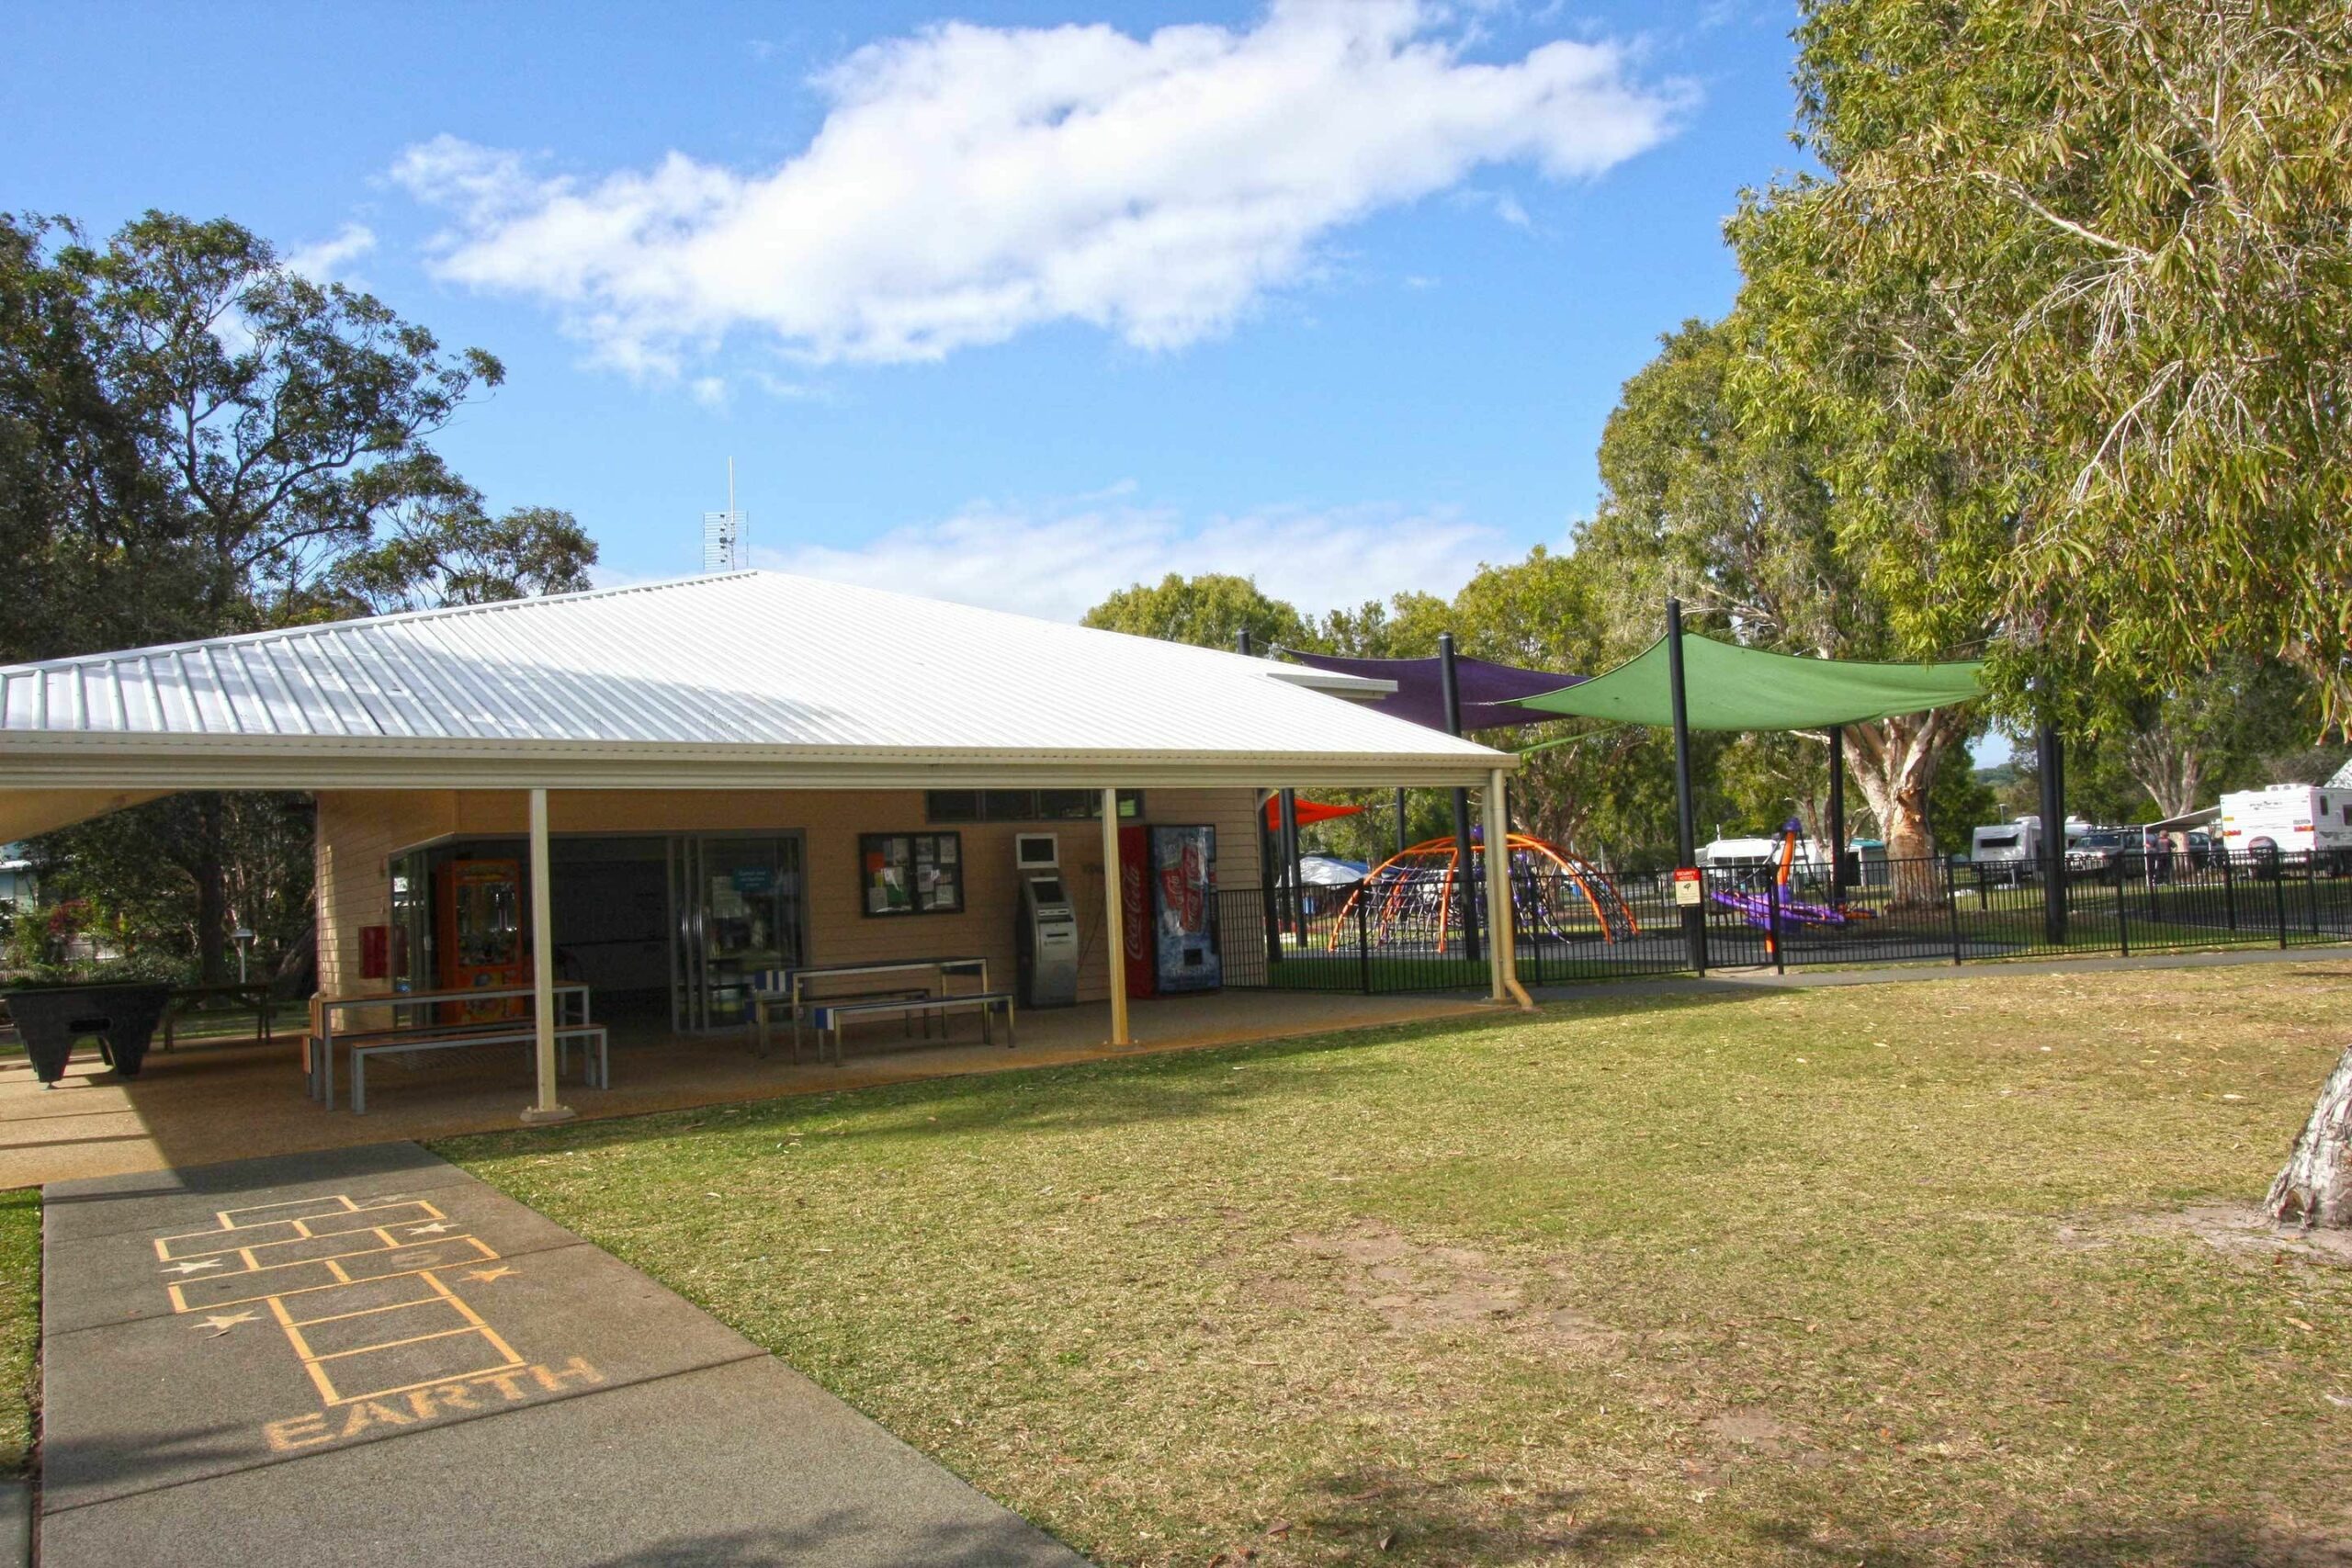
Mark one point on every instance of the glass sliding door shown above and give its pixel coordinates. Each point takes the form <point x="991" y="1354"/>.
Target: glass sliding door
<point x="738" y="913"/>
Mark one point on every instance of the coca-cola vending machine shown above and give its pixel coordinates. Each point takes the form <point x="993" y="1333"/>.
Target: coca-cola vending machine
<point x="1137" y="913"/>
<point x="1183" y="906"/>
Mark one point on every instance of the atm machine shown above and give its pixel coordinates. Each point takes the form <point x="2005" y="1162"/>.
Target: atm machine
<point x="1047" y="937"/>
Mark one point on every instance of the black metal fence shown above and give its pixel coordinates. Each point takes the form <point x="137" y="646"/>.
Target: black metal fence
<point x="1410" y="934"/>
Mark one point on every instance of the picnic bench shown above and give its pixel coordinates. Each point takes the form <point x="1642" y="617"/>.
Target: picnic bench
<point x="598" y="1061"/>
<point x="828" y="1017"/>
<point x="788" y="990"/>
<point x="259" y="995"/>
<point x="426" y="1030"/>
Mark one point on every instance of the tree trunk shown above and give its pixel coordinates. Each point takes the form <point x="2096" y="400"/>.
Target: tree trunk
<point x="1893" y="764"/>
<point x="212" y="878"/>
<point x="2317" y="1187"/>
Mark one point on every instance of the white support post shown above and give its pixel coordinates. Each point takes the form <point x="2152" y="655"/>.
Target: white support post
<point x="1502" y="947"/>
<point x="1114" y="919"/>
<point x="547" y="1108"/>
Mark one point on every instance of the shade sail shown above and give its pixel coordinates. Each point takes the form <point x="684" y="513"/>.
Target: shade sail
<point x="1490" y="692"/>
<point x="1309" y="811"/>
<point x="1727" y="687"/>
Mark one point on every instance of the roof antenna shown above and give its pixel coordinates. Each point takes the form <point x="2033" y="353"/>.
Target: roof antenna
<point x="726" y="537"/>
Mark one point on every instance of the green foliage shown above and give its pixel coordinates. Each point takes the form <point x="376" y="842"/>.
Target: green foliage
<point x="194" y="441"/>
<point x="2084" y="268"/>
<point x="1957" y="802"/>
<point x="1208" y="611"/>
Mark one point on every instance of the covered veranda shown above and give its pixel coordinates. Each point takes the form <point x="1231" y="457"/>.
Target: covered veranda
<point x="229" y="1098"/>
<point x="749" y="685"/>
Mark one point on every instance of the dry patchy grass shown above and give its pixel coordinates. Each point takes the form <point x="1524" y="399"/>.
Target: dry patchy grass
<point x="1887" y="1275"/>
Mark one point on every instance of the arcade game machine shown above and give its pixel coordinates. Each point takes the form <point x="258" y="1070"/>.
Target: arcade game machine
<point x="481" y="938"/>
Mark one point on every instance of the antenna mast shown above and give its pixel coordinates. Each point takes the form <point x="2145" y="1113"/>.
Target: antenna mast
<point x="726" y="535"/>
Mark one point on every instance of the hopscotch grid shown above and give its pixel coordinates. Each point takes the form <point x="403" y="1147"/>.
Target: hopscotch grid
<point x="368" y="1311"/>
<point x="315" y="1364"/>
<point x="483" y="1253"/>
<point x="225" y="1232"/>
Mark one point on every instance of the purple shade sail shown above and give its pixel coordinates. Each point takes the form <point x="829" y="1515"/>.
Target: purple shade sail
<point x="1490" y="693"/>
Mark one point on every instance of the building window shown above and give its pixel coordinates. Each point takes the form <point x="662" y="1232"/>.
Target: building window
<point x="1026" y="805"/>
<point x="912" y="873"/>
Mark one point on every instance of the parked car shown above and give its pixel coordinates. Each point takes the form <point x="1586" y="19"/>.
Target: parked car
<point x="2095" y="854"/>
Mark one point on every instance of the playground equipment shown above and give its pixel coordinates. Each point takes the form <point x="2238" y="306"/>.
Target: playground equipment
<point x="1776" y="911"/>
<point x="1416" y="888"/>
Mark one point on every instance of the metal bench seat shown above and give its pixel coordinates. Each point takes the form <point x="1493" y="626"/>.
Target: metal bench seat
<point x="596" y="1057"/>
<point x="828" y="1017"/>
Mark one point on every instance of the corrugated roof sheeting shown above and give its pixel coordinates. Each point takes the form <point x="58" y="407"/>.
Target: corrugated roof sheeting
<point x="755" y="658"/>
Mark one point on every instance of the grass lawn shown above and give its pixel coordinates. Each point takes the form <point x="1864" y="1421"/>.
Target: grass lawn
<point x="1942" y="1273"/>
<point x="20" y="1323"/>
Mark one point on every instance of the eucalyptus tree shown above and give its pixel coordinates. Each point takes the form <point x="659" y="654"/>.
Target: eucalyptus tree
<point x="1713" y="494"/>
<point x="1208" y="611"/>
<point x="2099" y="252"/>
<point x="197" y="440"/>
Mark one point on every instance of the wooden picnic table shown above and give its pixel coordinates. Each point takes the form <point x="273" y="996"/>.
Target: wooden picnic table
<point x="318" y="1047"/>
<point x="795" y="980"/>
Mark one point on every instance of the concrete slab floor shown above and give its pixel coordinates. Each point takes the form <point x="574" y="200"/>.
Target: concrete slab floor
<point x="411" y="1376"/>
<point x="203" y="1104"/>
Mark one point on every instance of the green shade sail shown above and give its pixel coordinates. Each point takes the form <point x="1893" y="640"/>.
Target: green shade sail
<point x="1725" y="687"/>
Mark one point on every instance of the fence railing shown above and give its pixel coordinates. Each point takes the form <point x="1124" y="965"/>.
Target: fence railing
<point x="1416" y="933"/>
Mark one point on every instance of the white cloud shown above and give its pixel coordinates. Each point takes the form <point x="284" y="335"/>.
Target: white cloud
<point x="327" y="261"/>
<point x="970" y="182"/>
<point x="1060" y="561"/>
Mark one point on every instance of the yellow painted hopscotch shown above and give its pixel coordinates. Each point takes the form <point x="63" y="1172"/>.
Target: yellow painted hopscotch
<point x="363" y="1291"/>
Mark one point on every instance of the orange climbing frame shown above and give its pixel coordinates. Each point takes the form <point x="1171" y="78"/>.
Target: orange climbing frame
<point x="1402" y="872"/>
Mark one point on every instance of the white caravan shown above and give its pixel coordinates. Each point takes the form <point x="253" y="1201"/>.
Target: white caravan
<point x="2287" y="819"/>
<point x="2014" y="848"/>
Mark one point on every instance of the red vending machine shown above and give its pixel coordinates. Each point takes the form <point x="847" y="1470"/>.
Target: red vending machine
<point x="1135" y="911"/>
<point x="1183" y="868"/>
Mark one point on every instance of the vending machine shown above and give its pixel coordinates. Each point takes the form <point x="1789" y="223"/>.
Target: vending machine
<point x="482" y="937"/>
<point x="1183" y="890"/>
<point x="1138" y="919"/>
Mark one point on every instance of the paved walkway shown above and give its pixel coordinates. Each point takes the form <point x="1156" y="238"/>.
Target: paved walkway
<point x="368" y="1357"/>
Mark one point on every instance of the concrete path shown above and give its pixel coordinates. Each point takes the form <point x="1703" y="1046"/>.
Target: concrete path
<point x="365" y="1355"/>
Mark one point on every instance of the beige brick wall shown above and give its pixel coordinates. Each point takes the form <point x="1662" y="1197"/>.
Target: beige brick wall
<point x="358" y="830"/>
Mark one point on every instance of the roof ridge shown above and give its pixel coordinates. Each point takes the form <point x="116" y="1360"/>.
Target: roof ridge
<point x="314" y="628"/>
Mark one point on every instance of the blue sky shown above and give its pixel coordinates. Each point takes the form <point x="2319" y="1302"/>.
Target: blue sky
<point x="1013" y="310"/>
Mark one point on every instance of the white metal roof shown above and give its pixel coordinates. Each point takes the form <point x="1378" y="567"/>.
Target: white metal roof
<point x="737" y="681"/>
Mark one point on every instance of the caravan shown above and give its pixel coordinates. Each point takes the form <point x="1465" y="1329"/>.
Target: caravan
<point x="2290" y="819"/>
<point x="2010" y="851"/>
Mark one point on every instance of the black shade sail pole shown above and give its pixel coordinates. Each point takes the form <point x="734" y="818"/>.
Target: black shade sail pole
<point x="1296" y="905"/>
<point x="1686" y="827"/>
<point x="1838" y="815"/>
<point x="2050" y="762"/>
<point x="1466" y="875"/>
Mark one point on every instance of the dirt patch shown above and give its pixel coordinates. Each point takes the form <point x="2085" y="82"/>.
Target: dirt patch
<point x="1750" y="1426"/>
<point x="2239" y="1231"/>
<point x="1418" y="1289"/>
